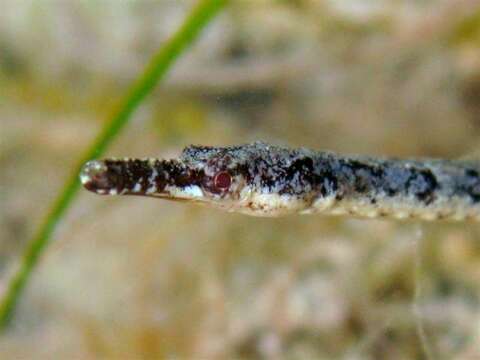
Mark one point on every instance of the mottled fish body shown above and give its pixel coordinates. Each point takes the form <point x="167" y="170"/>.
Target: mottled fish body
<point x="265" y="180"/>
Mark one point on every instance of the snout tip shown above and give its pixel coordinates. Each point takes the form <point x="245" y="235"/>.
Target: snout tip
<point x="94" y="176"/>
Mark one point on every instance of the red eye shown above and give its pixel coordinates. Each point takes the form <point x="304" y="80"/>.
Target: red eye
<point x="222" y="180"/>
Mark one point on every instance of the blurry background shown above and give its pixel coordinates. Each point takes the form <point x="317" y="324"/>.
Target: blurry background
<point x="142" y="278"/>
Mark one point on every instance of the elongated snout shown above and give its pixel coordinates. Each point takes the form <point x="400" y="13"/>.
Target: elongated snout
<point x="132" y="176"/>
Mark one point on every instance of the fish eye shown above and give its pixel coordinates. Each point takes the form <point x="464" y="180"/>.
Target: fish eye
<point x="222" y="180"/>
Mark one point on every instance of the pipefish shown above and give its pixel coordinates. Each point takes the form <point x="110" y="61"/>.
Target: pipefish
<point x="266" y="180"/>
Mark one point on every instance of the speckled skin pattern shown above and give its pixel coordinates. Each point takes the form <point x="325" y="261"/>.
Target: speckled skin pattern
<point x="266" y="180"/>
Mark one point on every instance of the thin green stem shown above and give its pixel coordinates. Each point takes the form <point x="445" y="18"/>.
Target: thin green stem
<point x="161" y="62"/>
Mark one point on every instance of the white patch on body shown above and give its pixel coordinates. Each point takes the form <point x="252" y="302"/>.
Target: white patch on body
<point x="151" y="179"/>
<point x="188" y="192"/>
<point x="322" y="204"/>
<point x="339" y="211"/>
<point x="151" y="189"/>
<point x="193" y="191"/>
<point x="270" y="204"/>
<point x="84" y="179"/>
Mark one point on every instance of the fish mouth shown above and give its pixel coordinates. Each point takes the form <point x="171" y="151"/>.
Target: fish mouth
<point x="169" y="179"/>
